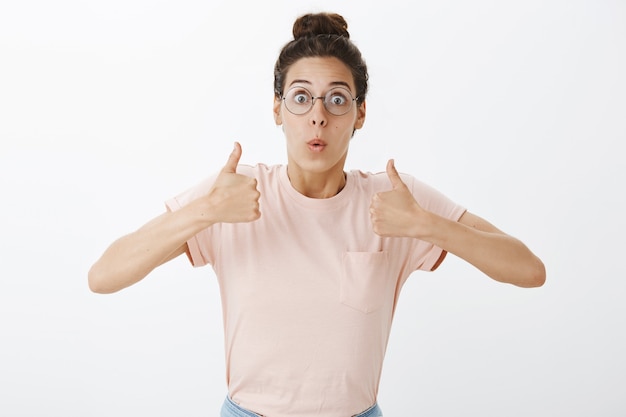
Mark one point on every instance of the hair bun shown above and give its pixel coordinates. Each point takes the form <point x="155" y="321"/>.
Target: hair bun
<point x="314" y="24"/>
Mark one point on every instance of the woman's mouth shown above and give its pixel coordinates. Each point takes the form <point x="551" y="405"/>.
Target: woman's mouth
<point x="316" y="145"/>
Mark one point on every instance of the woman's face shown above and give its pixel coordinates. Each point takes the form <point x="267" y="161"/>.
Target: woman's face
<point x="317" y="141"/>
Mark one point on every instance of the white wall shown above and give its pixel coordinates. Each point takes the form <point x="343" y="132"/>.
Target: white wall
<point x="514" y="109"/>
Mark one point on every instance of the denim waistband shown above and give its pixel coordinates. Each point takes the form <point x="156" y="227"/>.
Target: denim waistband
<point x="231" y="409"/>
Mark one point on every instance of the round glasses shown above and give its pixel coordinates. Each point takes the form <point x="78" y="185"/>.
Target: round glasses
<point x="337" y="100"/>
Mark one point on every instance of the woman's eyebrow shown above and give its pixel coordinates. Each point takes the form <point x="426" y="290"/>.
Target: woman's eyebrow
<point x="341" y="83"/>
<point x="299" y="82"/>
<point x="333" y="83"/>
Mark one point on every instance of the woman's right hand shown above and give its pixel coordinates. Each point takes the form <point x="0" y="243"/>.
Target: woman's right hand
<point x="234" y="198"/>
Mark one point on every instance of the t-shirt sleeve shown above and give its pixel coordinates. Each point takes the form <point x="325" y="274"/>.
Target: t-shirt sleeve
<point x="201" y="250"/>
<point x="436" y="202"/>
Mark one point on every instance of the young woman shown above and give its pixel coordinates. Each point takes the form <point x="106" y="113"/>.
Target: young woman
<point x="310" y="258"/>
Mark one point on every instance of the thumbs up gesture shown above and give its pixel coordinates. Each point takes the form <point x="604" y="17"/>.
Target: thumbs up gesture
<point x="234" y="197"/>
<point x="395" y="213"/>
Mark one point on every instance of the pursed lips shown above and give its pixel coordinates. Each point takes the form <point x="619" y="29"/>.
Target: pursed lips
<point x="316" y="145"/>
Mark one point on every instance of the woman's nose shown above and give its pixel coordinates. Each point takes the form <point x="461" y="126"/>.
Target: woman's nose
<point x="318" y="112"/>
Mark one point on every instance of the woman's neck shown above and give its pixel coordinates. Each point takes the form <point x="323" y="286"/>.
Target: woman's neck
<point x="317" y="185"/>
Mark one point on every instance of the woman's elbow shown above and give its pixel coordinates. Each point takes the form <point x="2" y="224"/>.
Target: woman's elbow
<point x="536" y="276"/>
<point x="98" y="283"/>
<point x="540" y="277"/>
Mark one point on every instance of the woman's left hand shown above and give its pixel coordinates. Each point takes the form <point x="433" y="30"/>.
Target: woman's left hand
<point x="395" y="213"/>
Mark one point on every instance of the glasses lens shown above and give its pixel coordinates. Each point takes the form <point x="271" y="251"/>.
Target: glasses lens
<point x="298" y="100"/>
<point x="338" y="101"/>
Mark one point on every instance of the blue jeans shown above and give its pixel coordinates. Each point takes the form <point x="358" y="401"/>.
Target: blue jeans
<point x="230" y="409"/>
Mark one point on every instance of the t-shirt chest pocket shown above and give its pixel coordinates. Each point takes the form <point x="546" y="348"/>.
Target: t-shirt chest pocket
<point x="365" y="280"/>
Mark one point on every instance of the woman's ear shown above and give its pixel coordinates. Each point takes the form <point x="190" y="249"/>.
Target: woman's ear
<point x="360" y="116"/>
<point x="277" y="117"/>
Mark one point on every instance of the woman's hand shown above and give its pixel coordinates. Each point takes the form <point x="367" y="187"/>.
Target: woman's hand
<point x="234" y="198"/>
<point x="395" y="213"/>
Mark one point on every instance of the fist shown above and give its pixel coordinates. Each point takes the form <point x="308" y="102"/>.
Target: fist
<point x="394" y="213"/>
<point x="234" y="198"/>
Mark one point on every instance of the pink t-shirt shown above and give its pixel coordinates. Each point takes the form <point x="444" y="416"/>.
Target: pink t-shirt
<point x="309" y="291"/>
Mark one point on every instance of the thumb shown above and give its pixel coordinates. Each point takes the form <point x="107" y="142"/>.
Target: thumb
<point x="233" y="159"/>
<point x="393" y="175"/>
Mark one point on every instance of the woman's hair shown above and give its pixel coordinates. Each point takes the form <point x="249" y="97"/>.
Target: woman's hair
<point x="321" y="35"/>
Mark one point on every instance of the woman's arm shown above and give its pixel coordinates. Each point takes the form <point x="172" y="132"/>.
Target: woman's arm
<point x="130" y="258"/>
<point x="500" y="256"/>
<point x="232" y="199"/>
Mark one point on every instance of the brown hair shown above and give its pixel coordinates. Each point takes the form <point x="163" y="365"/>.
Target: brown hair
<point x="321" y="35"/>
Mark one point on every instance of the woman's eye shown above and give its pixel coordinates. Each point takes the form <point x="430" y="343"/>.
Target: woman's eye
<point x="301" y="98"/>
<point x="338" y="100"/>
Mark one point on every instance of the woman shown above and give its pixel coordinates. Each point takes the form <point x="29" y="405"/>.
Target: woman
<point x="311" y="259"/>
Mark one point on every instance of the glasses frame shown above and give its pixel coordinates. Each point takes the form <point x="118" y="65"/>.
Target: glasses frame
<point x="323" y="98"/>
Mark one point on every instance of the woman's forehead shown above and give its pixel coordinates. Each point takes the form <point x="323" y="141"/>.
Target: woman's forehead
<point x="319" y="72"/>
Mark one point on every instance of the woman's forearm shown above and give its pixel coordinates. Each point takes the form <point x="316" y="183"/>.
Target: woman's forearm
<point x="133" y="256"/>
<point x="500" y="256"/>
